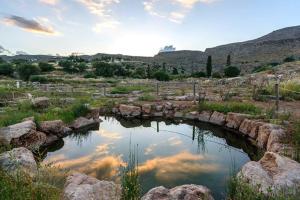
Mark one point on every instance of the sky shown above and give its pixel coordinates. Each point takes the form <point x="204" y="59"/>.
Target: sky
<point x="137" y="27"/>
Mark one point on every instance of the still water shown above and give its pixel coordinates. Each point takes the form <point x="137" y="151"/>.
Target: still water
<point x="169" y="153"/>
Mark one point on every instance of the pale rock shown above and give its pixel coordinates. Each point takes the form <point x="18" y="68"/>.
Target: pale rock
<point x="264" y="133"/>
<point x="130" y="111"/>
<point x="192" y="115"/>
<point x="250" y="128"/>
<point x="82" y="187"/>
<point x="56" y="127"/>
<point x="234" y="120"/>
<point x="41" y="102"/>
<point x="82" y="123"/>
<point x="204" y="116"/>
<point x="217" y="118"/>
<point x="146" y="108"/>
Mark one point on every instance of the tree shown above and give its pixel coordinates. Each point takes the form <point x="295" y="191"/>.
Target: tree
<point x="289" y="59"/>
<point x="67" y="65"/>
<point x="6" y="69"/>
<point x="216" y="75"/>
<point x="25" y="70"/>
<point x="209" y="66"/>
<point x="104" y="69"/>
<point x="80" y="67"/>
<point x="46" y="67"/>
<point x="228" y="62"/>
<point x="161" y="76"/>
<point x="175" y="71"/>
<point x="198" y="74"/>
<point x="231" y="71"/>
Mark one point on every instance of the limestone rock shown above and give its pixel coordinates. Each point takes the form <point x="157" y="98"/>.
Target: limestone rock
<point x="186" y="192"/>
<point x="33" y="140"/>
<point x="159" y="108"/>
<point x="82" y="187"/>
<point x="272" y="172"/>
<point x="250" y="128"/>
<point x="217" y="118"/>
<point x="275" y="140"/>
<point x="130" y="111"/>
<point x="41" y="102"/>
<point x="192" y="115"/>
<point x="56" y="127"/>
<point x="146" y="108"/>
<point x="18" y="159"/>
<point x="16" y="131"/>
<point x="178" y="115"/>
<point x="204" y="116"/>
<point x="82" y="123"/>
<point x="234" y="120"/>
<point x="168" y="106"/>
<point x="264" y="133"/>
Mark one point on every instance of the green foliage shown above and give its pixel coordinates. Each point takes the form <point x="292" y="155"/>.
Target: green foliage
<point x="90" y="75"/>
<point x="209" y="66"/>
<point x="237" y="189"/>
<point x="289" y="59"/>
<point x="216" y="75"/>
<point x="104" y="69"/>
<point x="46" y="67"/>
<point x="238" y="107"/>
<point x="80" y="67"/>
<point x="175" y="71"/>
<point x="161" y="76"/>
<point x="290" y="89"/>
<point x="199" y="74"/>
<point x="26" y="70"/>
<point x="147" y="97"/>
<point x="231" y="71"/>
<point x="262" y="68"/>
<point x="6" y="69"/>
<point x="67" y="65"/>
<point x="38" y="78"/>
<point x="128" y="89"/>
<point x="130" y="179"/>
<point x="228" y="62"/>
<point x="140" y="72"/>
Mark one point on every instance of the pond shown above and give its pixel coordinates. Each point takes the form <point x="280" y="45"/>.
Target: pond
<point x="169" y="153"/>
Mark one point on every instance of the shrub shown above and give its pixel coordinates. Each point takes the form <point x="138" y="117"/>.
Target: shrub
<point x="216" y="75"/>
<point x="262" y="68"/>
<point x="104" y="69"/>
<point x="6" y="69"/>
<point x="238" y="107"/>
<point x="231" y="71"/>
<point x="46" y="67"/>
<point x="26" y="70"/>
<point x="161" y="76"/>
<point x="209" y="66"/>
<point x="90" y="75"/>
<point x="128" y="89"/>
<point x="289" y="59"/>
<point x="147" y="97"/>
<point x="67" y="66"/>
<point x="199" y="74"/>
<point x="37" y="78"/>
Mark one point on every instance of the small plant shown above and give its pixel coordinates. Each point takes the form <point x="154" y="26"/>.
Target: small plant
<point x="130" y="178"/>
<point x="147" y="97"/>
<point x="232" y="71"/>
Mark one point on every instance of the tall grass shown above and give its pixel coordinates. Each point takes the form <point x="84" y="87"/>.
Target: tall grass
<point x="128" y="89"/>
<point x="226" y="107"/>
<point x="130" y="178"/>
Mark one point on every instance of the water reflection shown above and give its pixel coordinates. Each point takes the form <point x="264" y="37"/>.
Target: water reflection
<point x="170" y="152"/>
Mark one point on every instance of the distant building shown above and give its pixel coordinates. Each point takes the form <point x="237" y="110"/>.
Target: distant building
<point x="167" y="49"/>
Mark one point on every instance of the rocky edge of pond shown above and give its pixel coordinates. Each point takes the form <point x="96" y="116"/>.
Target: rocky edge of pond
<point x="274" y="170"/>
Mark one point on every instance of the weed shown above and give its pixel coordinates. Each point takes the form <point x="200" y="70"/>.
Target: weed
<point x="147" y="97"/>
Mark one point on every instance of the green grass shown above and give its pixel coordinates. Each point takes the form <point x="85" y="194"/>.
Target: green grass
<point x="288" y="90"/>
<point x="237" y="189"/>
<point x="226" y="107"/>
<point x="128" y="89"/>
<point x="147" y="97"/>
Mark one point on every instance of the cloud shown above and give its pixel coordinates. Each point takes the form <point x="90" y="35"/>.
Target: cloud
<point x="49" y="2"/>
<point x="179" y="8"/>
<point x="178" y="166"/>
<point x="4" y="51"/>
<point x="101" y="8"/>
<point x="30" y="25"/>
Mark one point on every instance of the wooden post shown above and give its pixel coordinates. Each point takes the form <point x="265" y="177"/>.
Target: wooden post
<point x="194" y="91"/>
<point x="157" y="126"/>
<point x="193" y="132"/>
<point x="277" y="95"/>
<point x="157" y="89"/>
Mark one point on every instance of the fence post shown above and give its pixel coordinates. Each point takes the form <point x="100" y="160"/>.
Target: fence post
<point x="277" y="95"/>
<point x="157" y="126"/>
<point x="157" y="89"/>
<point x="194" y="91"/>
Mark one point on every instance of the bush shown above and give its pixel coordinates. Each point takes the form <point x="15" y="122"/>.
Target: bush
<point x="216" y="75"/>
<point x="147" y="97"/>
<point x="262" y="68"/>
<point x="46" y="67"/>
<point x="67" y="66"/>
<point x="161" y="76"/>
<point x="104" y="69"/>
<point x="6" y="69"/>
<point x="90" y="75"/>
<point x="37" y="78"/>
<point x="237" y="107"/>
<point x="199" y="74"/>
<point x="231" y="71"/>
<point x="289" y="59"/>
<point x="26" y="70"/>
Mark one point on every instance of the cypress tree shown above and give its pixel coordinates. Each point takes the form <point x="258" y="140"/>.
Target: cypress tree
<point x="228" y="63"/>
<point x="209" y="66"/>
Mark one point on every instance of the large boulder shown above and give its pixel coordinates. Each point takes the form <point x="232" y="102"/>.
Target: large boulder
<point x="130" y="111"/>
<point x="263" y="134"/>
<point x="33" y="140"/>
<point x="250" y="128"/>
<point x="217" y="118"/>
<point x="234" y="120"/>
<point x="204" y="116"/>
<point x="82" y="187"/>
<point x="41" y="102"/>
<point x="18" y="159"/>
<point x="56" y="127"/>
<point x="192" y="115"/>
<point x="16" y="131"/>
<point x="84" y="123"/>
<point x="146" y="108"/>
<point x="184" y="192"/>
<point x="273" y="172"/>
